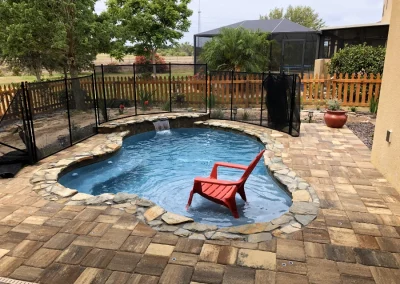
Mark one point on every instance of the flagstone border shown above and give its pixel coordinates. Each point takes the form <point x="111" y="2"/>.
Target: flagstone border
<point x="302" y="211"/>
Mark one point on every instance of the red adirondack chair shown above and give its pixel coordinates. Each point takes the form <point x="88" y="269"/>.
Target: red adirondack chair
<point x="222" y="191"/>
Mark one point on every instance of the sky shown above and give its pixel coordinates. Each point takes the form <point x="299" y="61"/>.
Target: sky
<point x="218" y="13"/>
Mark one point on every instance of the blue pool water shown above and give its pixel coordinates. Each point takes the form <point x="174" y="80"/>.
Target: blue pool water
<point x="161" y="167"/>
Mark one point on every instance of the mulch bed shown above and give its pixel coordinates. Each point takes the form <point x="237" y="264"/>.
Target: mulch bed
<point x="364" y="131"/>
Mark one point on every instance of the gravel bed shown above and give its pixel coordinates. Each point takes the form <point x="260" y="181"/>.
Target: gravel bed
<point x="364" y="131"/>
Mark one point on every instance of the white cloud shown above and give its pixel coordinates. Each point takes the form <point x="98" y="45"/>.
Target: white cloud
<point x="217" y="13"/>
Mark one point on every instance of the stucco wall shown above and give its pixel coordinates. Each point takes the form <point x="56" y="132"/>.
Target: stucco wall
<point x="387" y="10"/>
<point x="386" y="156"/>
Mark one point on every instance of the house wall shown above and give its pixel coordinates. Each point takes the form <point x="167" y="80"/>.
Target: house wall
<point x="386" y="156"/>
<point x="387" y="11"/>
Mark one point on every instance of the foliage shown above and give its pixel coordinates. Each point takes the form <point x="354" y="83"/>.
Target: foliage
<point x="144" y="60"/>
<point x="181" y="49"/>
<point x="246" y="115"/>
<point x="151" y="24"/>
<point x="16" y="71"/>
<point x="166" y="106"/>
<point x="333" y="104"/>
<point x="210" y="101"/>
<point x="237" y="49"/>
<point x="145" y="100"/>
<point x="373" y="105"/>
<point x="112" y="68"/>
<point x="362" y="59"/>
<point x="303" y="15"/>
<point x="353" y="109"/>
<point x="217" y="114"/>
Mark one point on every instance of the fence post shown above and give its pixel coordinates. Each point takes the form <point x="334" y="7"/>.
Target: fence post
<point x="30" y="121"/>
<point x="104" y="94"/>
<point x="210" y="100"/>
<point x="233" y="73"/>
<point x="69" y="117"/>
<point x="96" y="97"/>
<point x="26" y="124"/>
<point x="292" y="98"/>
<point x="95" y="103"/>
<point x="134" y="87"/>
<point x="170" y="88"/>
<point x="206" y="86"/>
<point x="262" y="97"/>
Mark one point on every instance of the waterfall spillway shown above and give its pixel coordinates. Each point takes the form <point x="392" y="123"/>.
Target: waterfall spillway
<point x="161" y="125"/>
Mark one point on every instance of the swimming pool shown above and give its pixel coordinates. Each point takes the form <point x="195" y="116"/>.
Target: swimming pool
<point x="161" y="166"/>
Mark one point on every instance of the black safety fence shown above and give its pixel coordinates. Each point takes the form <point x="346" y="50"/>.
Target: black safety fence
<point x="44" y="118"/>
<point x="267" y="99"/>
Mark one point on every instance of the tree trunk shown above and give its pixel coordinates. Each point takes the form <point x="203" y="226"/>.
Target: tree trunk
<point x="77" y="92"/>
<point x="38" y="75"/>
<point x="153" y="61"/>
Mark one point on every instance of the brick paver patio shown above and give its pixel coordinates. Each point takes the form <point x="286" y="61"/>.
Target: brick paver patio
<point x="355" y="238"/>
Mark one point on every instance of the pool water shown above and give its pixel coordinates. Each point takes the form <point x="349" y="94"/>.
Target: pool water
<point x="161" y="166"/>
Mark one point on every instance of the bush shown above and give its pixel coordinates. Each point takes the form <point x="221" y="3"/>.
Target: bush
<point x="361" y="59"/>
<point x="143" y="60"/>
<point x="373" y="106"/>
<point x="112" y="68"/>
<point x="217" y="114"/>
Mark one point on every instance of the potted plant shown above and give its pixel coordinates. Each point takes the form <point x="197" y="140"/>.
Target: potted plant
<point x="335" y="117"/>
<point x="121" y="108"/>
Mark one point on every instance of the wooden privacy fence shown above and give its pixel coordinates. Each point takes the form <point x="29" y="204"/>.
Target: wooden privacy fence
<point x="352" y="90"/>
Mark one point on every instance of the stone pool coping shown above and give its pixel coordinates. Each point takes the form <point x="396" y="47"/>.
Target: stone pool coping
<point x="302" y="211"/>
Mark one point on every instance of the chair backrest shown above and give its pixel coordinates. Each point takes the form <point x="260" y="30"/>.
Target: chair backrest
<point x="251" y="167"/>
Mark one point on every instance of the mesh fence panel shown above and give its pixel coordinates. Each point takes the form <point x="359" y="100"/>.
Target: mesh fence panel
<point x="189" y="88"/>
<point x="152" y="84"/>
<point x="12" y="128"/>
<point x="48" y="104"/>
<point x="82" y="117"/>
<point x="221" y="90"/>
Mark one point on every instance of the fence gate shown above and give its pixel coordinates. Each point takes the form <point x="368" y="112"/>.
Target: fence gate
<point x="16" y="133"/>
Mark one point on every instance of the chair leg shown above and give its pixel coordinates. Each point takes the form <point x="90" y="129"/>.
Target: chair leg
<point x="242" y="193"/>
<point x="190" y="199"/>
<point x="232" y="206"/>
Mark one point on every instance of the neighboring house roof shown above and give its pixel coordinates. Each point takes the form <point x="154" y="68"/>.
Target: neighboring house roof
<point x="270" y="26"/>
<point x="379" y="24"/>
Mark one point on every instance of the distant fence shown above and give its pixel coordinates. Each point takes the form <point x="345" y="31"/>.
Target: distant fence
<point x="352" y="90"/>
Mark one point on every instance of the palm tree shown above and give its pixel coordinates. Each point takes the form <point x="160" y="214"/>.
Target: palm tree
<point x="237" y="49"/>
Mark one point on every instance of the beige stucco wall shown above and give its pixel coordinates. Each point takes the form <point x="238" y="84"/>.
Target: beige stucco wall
<point x="386" y="156"/>
<point x="387" y="11"/>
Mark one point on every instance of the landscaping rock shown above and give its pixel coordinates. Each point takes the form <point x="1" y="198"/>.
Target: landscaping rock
<point x="81" y="196"/>
<point x="99" y="199"/>
<point x="304" y="219"/>
<point x="144" y="203"/>
<point x="250" y="228"/>
<point x="63" y="191"/>
<point x="197" y="227"/>
<point x="174" y="219"/>
<point x="282" y="220"/>
<point x="153" y="213"/>
<point x="305" y="208"/>
<point x="167" y="228"/>
<point x="226" y="236"/>
<point x="197" y="237"/>
<point x="301" y="195"/>
<point x="122" y="197"/>
<point x="262" y="237"/>
<point x="182" y="232"/>
<point x="209" y="234"/>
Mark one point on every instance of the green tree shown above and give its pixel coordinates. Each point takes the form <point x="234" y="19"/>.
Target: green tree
<point x="303" y="15"/>
<point x="360" y="58"/>
<point x="30" y="37"/>
<point x="148" y="25"/>
<point x="237" y="49"/>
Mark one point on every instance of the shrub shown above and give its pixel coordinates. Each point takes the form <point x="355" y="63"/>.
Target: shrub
<point x="333" y="104"/>
<point x="217" y="114"/>
<point x="112" y="68"/>
<point x="353" y="109"/>
<point x="143" y="60"/>
<point x="360" y="59"/>
<point x="145" y="100"/>
<point x="210" y="102"/>
<point x="246" y="115"/>
<point x="373" y="105"/>
<point x="165" y="106"/>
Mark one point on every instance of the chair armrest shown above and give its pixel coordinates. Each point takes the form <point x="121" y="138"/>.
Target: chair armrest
<point x="214" y="172"/>
<point x="215" y="181"/>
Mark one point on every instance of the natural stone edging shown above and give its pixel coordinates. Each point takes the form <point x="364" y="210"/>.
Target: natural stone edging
<point x="303" y="210"/>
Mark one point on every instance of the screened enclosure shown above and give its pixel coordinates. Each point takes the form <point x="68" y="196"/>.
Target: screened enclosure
<point x="294" y="47"/>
